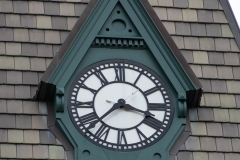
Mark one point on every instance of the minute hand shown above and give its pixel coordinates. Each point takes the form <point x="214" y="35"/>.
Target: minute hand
<point x="114" y="107"/>
<point x="129" y="107"/>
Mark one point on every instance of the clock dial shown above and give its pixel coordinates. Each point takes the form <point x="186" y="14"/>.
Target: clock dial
<point x="120" y="105"/>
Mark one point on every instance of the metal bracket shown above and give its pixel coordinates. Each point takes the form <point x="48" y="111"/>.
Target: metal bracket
<point x="182" y="105"/>
<point x="59" y="100"/>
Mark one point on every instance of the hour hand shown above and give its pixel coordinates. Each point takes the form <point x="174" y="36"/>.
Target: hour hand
<point x="129" y="107"/>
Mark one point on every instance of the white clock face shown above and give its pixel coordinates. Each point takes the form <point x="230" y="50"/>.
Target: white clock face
<point x="120" y="105"/>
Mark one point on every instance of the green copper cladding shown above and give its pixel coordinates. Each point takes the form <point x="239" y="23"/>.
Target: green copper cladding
<point x="121" y="29"/>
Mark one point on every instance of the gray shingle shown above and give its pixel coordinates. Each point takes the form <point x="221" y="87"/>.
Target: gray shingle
<point x="170" y="27"/>
<point x="6" y="91"/>
<point x="36" y="7"/>
<point x="237" y="97"/>
<point x="231" y="58"/>
<point x="6" y="6"/>
<point x="182" y="28"/>
<point x="180" y="3"/>
<point x="161" y="12"/>
<point x="63" y="36"/>
<point x="38" y="64"/>
<point x="22" y="92"/>
<point x="2" y="20"/>
<point x="28" y="21"/>
<point x="207" y="44"/>
<point x="44" y="50"/>
<point x="14" y="106"/>
<point x="13" y="48"/>
<point x="12" y="20"/>
<point x="212" y="4"/>
<point x="42" y="108"/>
<point x="209" y="72"/>
<point x="3" y="106"/>
<point x="59" y="23"/>
<point x="44" y="22"/>
<point x="24" y="151"/>
<point x="232" y="156"/>
<point x="8" y="150"/>
<point x="218" y="16"/>
<point x="200" y="155"/>
<point x="236" y="144"/>
<point x="40" y="152"/>
<point x="21" y="35"/>
<point x="179" y="41"/>
<point x="14" y="77"/>
<point x="216" y="58"/>
<point x="221" y="115"/>
<point x="206" y="85"/>
<point x="216" y="156"/>
<point x="214" y="129"/>
<point x="195" y="3"/>
<point x="230" y="130"/>
<point x="30" y="107"/>
<point x="193" y="114"/>
<point x="23" y="121"/>
<point x="192" y="143"/>
<point x="225" y="72"/>
<point x="7" y="118"/>
<point x="190" y="15"/>
<point x="234" y="46"/>
<point x="36" y="36"/>
<point x="185" y="155"/>
<point x="188" y="55"/>
<point x="29" y="49"/>
<point x="6" y="34"/>
<point x="71" y="22"/>
<point x="205" y="114"/>
<point x="234" y="115"/>
<point x="198" y="128"/>
<point x="224" y="144"/>
<point x="205" y="16"/>
<point x="198" y="29"/>
<point x="46" y="137"/>
<point x="227" y="101"/>
<point x="22" y="63"/>
<point x="236" y="72"/>
<point x="52" y="37"/>
<point x="3" y="77"/>
<point x="20" y="6"/>
<point x="30" y="78"/>
<point x="31" y="136"/>
<point x="79" y="8"/>
<point x="174" y="14"/>
<point x="3" y="137"/>
<point x="214" y="30"/>
<point x="208" y="144"/>
<point x="2" y="48"/>
<point x="51" y="8"/>
<point x="219" y="86"/>
<point x="67" y="9"/>
<point x="39" y="122"/>
<point x="222" y="44"/>
<point x="191" y="43"/>
<point x="15" y="136"/>
<point x="226" y="31"/>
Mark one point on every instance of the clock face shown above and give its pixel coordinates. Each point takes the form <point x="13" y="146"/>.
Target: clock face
<point x="120" y="105"/>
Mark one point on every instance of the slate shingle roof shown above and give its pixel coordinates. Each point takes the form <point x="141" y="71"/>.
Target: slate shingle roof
<point x="31" y="33"/>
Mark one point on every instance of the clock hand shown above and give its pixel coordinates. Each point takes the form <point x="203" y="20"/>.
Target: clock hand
<point x="114" y="107"/>
<point x="132" y="94"/>
<point x="129" y="107"/>
<point x="109" y="101"/>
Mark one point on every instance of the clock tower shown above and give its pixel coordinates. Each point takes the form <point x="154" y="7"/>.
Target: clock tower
<point x="119" y="88"/>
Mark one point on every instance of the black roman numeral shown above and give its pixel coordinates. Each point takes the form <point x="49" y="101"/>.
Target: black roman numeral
<point x="120" y="73"/>
<point x="156" y="106"/>
<point x="152" y="122"/>
<point x="141" y="136"/>
<point x="137" y="79"/>
<point x="150" y="91"/>
<point x="88" y="118"/>
<point x="90" y="89"/>
<point x="84" y="104"/>
<point x="101" y="77"/>
<point x="102" y="131"/>
<point x="121" y="138"/>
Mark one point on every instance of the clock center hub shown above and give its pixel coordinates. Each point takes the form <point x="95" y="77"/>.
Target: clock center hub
<point x="117" y="93"/>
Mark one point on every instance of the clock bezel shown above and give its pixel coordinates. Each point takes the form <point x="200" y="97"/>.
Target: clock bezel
<point x="163" y="88"/>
